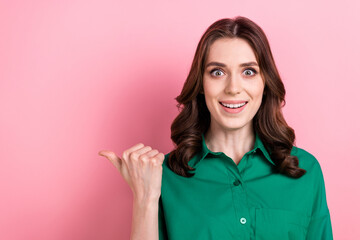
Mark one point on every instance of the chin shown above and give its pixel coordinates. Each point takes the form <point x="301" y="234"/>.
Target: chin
<point x="232" y="127"/>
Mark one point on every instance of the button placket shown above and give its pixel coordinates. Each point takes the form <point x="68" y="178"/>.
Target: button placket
<point x="236" y="182"/>
<point x="239" y="199"/>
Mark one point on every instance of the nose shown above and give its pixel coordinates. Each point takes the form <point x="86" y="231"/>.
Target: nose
<point x="233" y="85"/>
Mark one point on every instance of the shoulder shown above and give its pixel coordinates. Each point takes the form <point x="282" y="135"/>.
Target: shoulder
<point x="307" y="161"/>
<point x="165" y="165"/>
<point x="165" y="162"/>
<point x="166" y="158"/>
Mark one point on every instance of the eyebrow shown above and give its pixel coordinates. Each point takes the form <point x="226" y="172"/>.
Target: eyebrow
<point x="247" y="64"/>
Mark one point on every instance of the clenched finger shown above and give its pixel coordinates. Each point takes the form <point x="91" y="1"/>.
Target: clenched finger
<point x="136" y="147"/>
<point x="159" y="158"/>
<point x="136" y="154"/>
<point x="152" y="153"/>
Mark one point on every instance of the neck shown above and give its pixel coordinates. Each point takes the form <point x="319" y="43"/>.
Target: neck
<point x="233" y="143"/>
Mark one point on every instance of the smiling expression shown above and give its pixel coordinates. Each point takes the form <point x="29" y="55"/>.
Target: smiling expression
<point x="231" y="78"/>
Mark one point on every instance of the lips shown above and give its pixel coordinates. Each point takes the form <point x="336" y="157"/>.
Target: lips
<point x="233" y="104"/>
<point x="233" y="108"/>
<point x="233" y="101"/>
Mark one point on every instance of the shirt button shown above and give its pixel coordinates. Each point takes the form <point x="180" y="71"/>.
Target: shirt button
<point x="236" y="182"/>
<point x="242" y="220"/>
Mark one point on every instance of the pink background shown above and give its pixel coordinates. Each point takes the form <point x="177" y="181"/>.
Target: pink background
<point x="77" y="77"/>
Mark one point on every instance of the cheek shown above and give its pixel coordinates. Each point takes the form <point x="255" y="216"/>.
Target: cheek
<point x="210" y="93"/>
<point x="211" y="90"/>
<point x="209" y="101"/>
<point x="257" y="90"/>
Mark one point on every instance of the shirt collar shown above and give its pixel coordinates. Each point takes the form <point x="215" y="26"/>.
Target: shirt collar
<point x="259" y="144"/>
<point x="205" y="151"/>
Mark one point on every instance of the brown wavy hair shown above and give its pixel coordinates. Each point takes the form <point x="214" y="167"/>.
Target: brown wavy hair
<point x="194" y="117"/>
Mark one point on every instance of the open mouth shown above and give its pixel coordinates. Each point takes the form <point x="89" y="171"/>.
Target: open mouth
<point x="233" y="106"/>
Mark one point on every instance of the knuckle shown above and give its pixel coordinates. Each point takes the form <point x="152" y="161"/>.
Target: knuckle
<point x="133" y="155"/>
<point x="154" y="162"/>
<point x="159" y="156"/>
<point x="125" y="154"/>
<point x="143" y="158"/>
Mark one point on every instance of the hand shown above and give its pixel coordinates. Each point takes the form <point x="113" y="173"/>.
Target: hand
<point x="141" y="167"/>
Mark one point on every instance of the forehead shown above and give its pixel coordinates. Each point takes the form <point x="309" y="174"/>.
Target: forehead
<point x="231" y="50"/>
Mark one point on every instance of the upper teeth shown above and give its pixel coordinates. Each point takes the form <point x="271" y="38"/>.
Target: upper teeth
<point x="233" y="105"/>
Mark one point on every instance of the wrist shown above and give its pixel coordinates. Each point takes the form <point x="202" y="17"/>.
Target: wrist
<point x="145" y="202"/>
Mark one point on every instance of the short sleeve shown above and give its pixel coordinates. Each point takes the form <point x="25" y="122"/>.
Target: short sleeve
<point x="320" y="223"/>
<point x="162" y="224"/>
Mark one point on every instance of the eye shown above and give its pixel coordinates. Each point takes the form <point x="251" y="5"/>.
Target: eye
<point x="216" y="71"/>
<point x="250" y="71"/>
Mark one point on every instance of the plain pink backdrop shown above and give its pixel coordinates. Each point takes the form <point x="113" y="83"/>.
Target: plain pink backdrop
<point x="80" y="76"/>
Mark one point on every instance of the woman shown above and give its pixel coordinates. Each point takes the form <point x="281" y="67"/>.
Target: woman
<point x="235" y="172"/>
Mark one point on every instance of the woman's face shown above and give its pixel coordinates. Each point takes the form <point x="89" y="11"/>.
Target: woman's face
<point x="231" y="79"/>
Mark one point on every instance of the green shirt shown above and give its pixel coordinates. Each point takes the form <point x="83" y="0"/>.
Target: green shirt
<point x="246" y="201"/>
